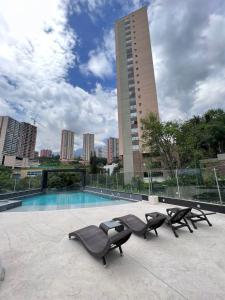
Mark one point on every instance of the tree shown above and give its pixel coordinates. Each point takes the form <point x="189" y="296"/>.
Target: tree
<point x="93" y="164"/>
<point x="160" y="139"/>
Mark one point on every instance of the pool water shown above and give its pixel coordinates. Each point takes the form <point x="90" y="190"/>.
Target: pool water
<point x="65" y="200"/>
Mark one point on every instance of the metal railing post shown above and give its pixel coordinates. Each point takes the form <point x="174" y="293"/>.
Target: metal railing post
<point x="178" y="187"/>
<point x="117" y="187"/>
<point x="14" y="187"/>
<point x="218" y="187"/>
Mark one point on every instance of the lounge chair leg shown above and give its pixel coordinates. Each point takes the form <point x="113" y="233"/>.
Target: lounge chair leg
<point x="174" y="231"/>
<point x="188" y="226"/>
<point x="121" y="251"/>
<point x="69" y="236"/>
<point x="193" y="224"/>
<point x="156" y="233"/>
<point x="145" y="236"/>
<point x="207" y="220"/>
<point x="104" y="261"/>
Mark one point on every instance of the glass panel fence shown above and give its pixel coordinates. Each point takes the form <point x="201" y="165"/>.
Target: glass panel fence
<point x="207" y="185"/>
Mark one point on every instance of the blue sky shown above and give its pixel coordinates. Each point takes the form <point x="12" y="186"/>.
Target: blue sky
<point x="57" y="62"/>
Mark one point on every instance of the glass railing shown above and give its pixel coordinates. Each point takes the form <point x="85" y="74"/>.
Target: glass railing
<point x="9" y="185"/>
<point x="205" y="185"/>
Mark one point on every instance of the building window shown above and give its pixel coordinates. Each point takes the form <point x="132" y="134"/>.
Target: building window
<point x="136" y="62"/>
<point x="134" y="32"/>
<point x="134" y="130"/>
<point x="128" y="38"/>
<point x="135" y="147"/>
<point x="136" y="55"/>
<point x="133" y="115"/>
<point x="131" y="81"/>
<point x="138" y="82"/>
<point x="139" y="104"/>
<point x="139" y="96"/>
<point x="132" y="107"/>
<point x="137" y="75"/>
<point x="139" y="89"/>
<point x="137" y="69"/>
<point x="140" y="112"/>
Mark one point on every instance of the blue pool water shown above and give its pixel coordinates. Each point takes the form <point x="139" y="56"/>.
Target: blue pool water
<point x="66" y="200"/>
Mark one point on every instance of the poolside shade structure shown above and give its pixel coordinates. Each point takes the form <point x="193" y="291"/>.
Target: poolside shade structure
<point x="98" y="243"/>
<point x="198" y="216"/>
<point x="176" y="218"/>
<point x="138" y="226"/>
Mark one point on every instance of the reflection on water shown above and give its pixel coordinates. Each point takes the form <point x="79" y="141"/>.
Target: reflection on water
<point x="65" y="200"/>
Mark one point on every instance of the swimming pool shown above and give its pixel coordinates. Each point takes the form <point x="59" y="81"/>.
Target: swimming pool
<point x="65" y="200"/>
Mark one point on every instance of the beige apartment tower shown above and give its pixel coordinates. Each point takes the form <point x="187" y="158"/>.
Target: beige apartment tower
<point x="67" y="145"/>
<point x="88" y="145"/>
<point x="136" y="90"/>
<point x="112" y="150"/>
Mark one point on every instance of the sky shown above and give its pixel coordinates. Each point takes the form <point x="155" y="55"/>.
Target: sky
<point x="57" y="62"/>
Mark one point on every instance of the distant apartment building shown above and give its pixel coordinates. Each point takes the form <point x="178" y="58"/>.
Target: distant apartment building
<point x="16" y="139"/>
<point x="67" y="145"/>
<point x="101" y="152"/>
<point x="88" y="146"/>
<point x="46" y="153"/>
<point x="112" y="150"/>
<point x="136" y="90"/>
<point x="9" y="137"/>
<point x="36" y="154"/>
<point x="27" y="140"/>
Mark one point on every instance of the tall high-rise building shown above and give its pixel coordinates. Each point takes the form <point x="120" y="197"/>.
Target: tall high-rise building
<point x="88" y="145"/>
<point x="136" y="90"/>
<point x="46" y="153"/>
<point x="67" y="145"/>
<point x="10" y="133"/>
<point x="27" y="140"/>
<point x="112" y="150"/>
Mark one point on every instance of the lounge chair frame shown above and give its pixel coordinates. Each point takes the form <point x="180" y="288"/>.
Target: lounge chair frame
<point x="174" y="216"/>
<point x="104" y="244"/>
<point x="198" y="217"/>
<point x="152" y="224"/>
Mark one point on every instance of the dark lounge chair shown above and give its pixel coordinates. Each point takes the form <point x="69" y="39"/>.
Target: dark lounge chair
<point x="174" y="216"/>
<point x="98" y="243"/>
<point x="138" y="226"/>
<point x="198" y="216"/>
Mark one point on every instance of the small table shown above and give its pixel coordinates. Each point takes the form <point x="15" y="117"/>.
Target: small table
<point x="107" y="225"/>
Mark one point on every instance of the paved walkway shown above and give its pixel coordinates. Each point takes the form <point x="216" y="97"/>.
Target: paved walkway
<point x="42" y="263"/>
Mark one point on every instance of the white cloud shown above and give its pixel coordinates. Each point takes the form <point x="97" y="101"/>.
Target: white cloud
<point x="188" y="45"/>
<point x="101" y="60"/>
<point x="37" y="49"/>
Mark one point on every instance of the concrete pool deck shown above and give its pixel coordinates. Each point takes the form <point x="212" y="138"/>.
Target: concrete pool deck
<point x="42" y="263"/>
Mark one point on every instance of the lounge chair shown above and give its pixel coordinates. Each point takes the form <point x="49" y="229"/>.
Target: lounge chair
<point x="138" y="226"/>
<point x="98" y="243"/>
<point x="174" y="216"/>
<point x="198" y="216"/>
